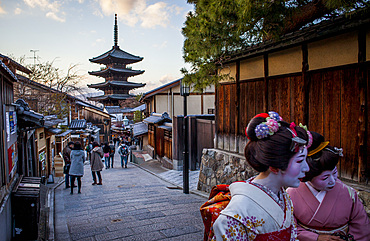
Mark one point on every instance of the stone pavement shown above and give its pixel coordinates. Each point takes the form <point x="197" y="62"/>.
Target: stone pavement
<point x="132" y="204"/>
<point x="172" y="176"/>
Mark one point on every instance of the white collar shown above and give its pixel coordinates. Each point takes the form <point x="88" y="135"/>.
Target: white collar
<point x="319" y="195"/>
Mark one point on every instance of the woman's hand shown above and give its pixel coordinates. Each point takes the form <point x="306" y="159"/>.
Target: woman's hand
<point x="326" y="237"/>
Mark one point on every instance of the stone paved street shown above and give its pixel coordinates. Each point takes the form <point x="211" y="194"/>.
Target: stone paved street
<point x="132" y="204"/>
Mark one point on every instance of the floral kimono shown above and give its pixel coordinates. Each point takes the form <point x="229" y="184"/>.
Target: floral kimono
<point x="255" y="213"/>
<point x="338" y="210"/>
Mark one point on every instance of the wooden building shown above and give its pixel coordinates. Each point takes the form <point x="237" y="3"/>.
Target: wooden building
<point x="167" y="98"/>
<point x="159" y="136"/>
<point x="7" y="158"/>
<point x="116" y="72"/>
<point x="317" y="76"/>
<point x="82" y="110"/>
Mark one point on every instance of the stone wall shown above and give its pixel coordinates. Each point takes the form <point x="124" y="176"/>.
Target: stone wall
<point x="221" y="167"/>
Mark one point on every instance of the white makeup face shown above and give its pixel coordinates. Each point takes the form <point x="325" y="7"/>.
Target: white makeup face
<point x="296" y="169"/>
<point x="325" y="181"/>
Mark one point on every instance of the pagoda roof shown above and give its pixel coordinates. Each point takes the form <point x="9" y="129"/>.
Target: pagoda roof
<point x="114" y="83"/>
<point x="116" y="55"/>
<point x="111" y="97"/>
<point x="110" y="70"/>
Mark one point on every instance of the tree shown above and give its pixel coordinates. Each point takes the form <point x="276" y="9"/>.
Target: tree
<point x="217" y="29"/>
<point x="45" y="73"/>
<point x="52" y="102"/>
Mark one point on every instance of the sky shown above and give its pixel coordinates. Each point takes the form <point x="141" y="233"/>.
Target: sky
<point x="71" y="32"/>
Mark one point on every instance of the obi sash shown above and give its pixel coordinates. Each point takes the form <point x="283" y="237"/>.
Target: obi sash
<point x="343" y="229"/>
<point x="282" y="235"/>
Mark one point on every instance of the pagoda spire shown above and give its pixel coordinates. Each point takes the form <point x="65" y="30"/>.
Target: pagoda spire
<point x="115" y="31"/>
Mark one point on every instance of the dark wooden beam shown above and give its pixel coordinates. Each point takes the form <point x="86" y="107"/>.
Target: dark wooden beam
<point x="363" y="118"/>
<point x="266" y="81"/>
<point x="306" y="84"/>
<point x="237" y="104"/>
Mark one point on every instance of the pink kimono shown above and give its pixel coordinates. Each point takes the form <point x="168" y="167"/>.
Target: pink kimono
<point x="340" y="209"/>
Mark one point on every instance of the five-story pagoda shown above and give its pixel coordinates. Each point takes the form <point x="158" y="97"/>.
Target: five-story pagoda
<point x="116" y="87"/>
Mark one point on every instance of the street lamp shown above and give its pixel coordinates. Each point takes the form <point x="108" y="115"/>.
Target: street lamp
<point x="185" y="91"/>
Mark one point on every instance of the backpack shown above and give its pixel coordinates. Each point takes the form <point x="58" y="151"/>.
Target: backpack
<point x="123" y="150"/>
<point x="219" y="198"/>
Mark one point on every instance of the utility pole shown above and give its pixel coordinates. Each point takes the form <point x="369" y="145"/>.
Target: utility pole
<point x="34" y="55"/>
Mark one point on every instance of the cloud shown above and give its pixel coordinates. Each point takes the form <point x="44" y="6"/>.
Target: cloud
<point x="132" y="12"/>
<point x="52" y="8"/>
<point x="53" y="16"/>
<point x="98" y="41"/>
<point x="17" y="11"/>
<point x="166" y="79"/>
<point x="161" y="46"/>
<point x="154" y="15"/>
<point x="2" y="11"/>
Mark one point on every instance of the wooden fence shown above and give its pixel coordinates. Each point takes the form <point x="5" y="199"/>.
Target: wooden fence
<point x="330" y="101"/>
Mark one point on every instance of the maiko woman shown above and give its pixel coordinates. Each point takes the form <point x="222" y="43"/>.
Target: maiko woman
<point x="260" y="209"/>
<point x="324" y="207"/>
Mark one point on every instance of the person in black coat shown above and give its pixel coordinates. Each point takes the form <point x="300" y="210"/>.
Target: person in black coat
<point x="106" y="150"/>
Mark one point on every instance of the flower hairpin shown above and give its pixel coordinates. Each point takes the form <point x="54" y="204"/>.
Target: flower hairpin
<point x="269" y="127"/>
<point x="310" y="138"/>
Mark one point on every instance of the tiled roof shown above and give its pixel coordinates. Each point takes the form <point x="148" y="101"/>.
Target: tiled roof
<point x="160" y="89"/>
<point x="115" y="83"/>
<point x="116" y="109"/>
<point x="78" y="124"/>
<point x="140" y="128"/>
<point x="117" y="55"/>
<point x="8" y="70"/>
<point x="139" y="108"/>
<point x="122" y="72"/>
<point x="156" y="119"/>
<point x="64" y="133"/>
<point x="113" y="96"/>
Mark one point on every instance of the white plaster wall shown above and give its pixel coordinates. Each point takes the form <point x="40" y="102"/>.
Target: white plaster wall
<point x="335" y="51"/>
<point x="285" y="62"/>
<point x="209" y="103"/>
<point x="162" y="104"/>
<point x="179" y="105"/>
<point x="228" y="69"/>
<point x="194" y="104"/>
<point x="252" y="68"/>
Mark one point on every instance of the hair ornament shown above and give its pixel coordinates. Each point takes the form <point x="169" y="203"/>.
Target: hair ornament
<point x="310" y="138"/>
<point x="269" y="127"/>
<point x="319" y="148"/>
<point x="337" y="151"/>
<point x="296" y="141"/>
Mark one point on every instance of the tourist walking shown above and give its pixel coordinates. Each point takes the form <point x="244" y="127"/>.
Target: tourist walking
<point x="88" y="150"/>
<point x="111" y="153"/>
<point x="77" y="165"/>
<point x="123" y="152"/>
<point x="106" y="150"/>
<point x="67" y="162"/>
<point x="96" y="163"/>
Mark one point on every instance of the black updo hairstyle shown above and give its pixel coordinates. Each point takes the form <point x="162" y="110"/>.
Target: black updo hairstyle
<point x="77" y="146"/>
<point x="95" y="144"/>
<point x="324" y="160"/>
<point x="272" y="151"/>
